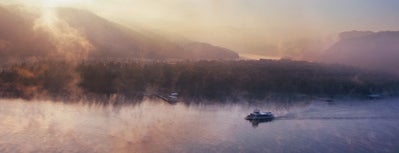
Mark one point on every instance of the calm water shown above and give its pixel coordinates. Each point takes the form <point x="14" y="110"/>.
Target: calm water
<point x="154" y="126"/>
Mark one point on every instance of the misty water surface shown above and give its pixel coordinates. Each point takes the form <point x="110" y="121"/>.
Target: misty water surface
<point x="154" y="126"/>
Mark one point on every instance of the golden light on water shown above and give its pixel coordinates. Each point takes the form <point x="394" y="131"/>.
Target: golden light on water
<point x="154" y="126"/>
<point x="148" y="127"/>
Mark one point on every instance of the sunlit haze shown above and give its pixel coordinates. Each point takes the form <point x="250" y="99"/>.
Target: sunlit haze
<point x="203" y="76"/>
<point x="263" y="27"/>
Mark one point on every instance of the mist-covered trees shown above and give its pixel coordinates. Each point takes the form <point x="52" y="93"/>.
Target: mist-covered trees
<point x="38" y="79"/>
<point x="212" y="80"/>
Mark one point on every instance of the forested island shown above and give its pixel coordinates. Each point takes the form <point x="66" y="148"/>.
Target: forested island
<point x="194" y="80"/>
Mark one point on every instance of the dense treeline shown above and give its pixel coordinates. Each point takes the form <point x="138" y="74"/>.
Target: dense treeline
<point x="212" y="80"/>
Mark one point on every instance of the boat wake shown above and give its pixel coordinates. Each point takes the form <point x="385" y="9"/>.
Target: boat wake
<point x="339" y="118"/>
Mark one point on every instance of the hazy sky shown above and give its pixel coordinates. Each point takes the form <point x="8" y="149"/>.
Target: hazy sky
<point x="268" y="27"/>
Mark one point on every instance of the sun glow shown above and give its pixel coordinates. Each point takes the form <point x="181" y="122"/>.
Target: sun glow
<point x="48" y="3"/>
<point x="59" y="3"/>
<point x="268" y="27"/>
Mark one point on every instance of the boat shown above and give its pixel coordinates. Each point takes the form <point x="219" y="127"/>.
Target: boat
<point x="171" y="98"/>
<point x="260" y="116"/>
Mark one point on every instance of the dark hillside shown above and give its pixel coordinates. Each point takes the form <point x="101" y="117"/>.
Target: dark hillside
<point x="211" y="80"/>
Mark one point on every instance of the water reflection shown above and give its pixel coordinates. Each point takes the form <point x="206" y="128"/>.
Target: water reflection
<point x="255" y="123"/>
<point x="155" y="126"/>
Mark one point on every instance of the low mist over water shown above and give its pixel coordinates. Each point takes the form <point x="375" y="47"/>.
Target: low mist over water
<point x="155" y="126"/>
<point x="181" y="76"/>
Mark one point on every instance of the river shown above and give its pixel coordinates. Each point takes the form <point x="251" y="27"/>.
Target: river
<point x="154" y="126"/>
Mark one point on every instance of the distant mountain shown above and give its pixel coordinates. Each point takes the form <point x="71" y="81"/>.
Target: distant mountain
<point x="18" y="37"/>
<point x="207" y="51"/>
<point x="354" y="34"/>
<point x="371" y="50"/>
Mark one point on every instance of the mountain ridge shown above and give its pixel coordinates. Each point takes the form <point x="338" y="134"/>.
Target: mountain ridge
<point x="108" y="39"/>
<point x="369" y="50"/>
